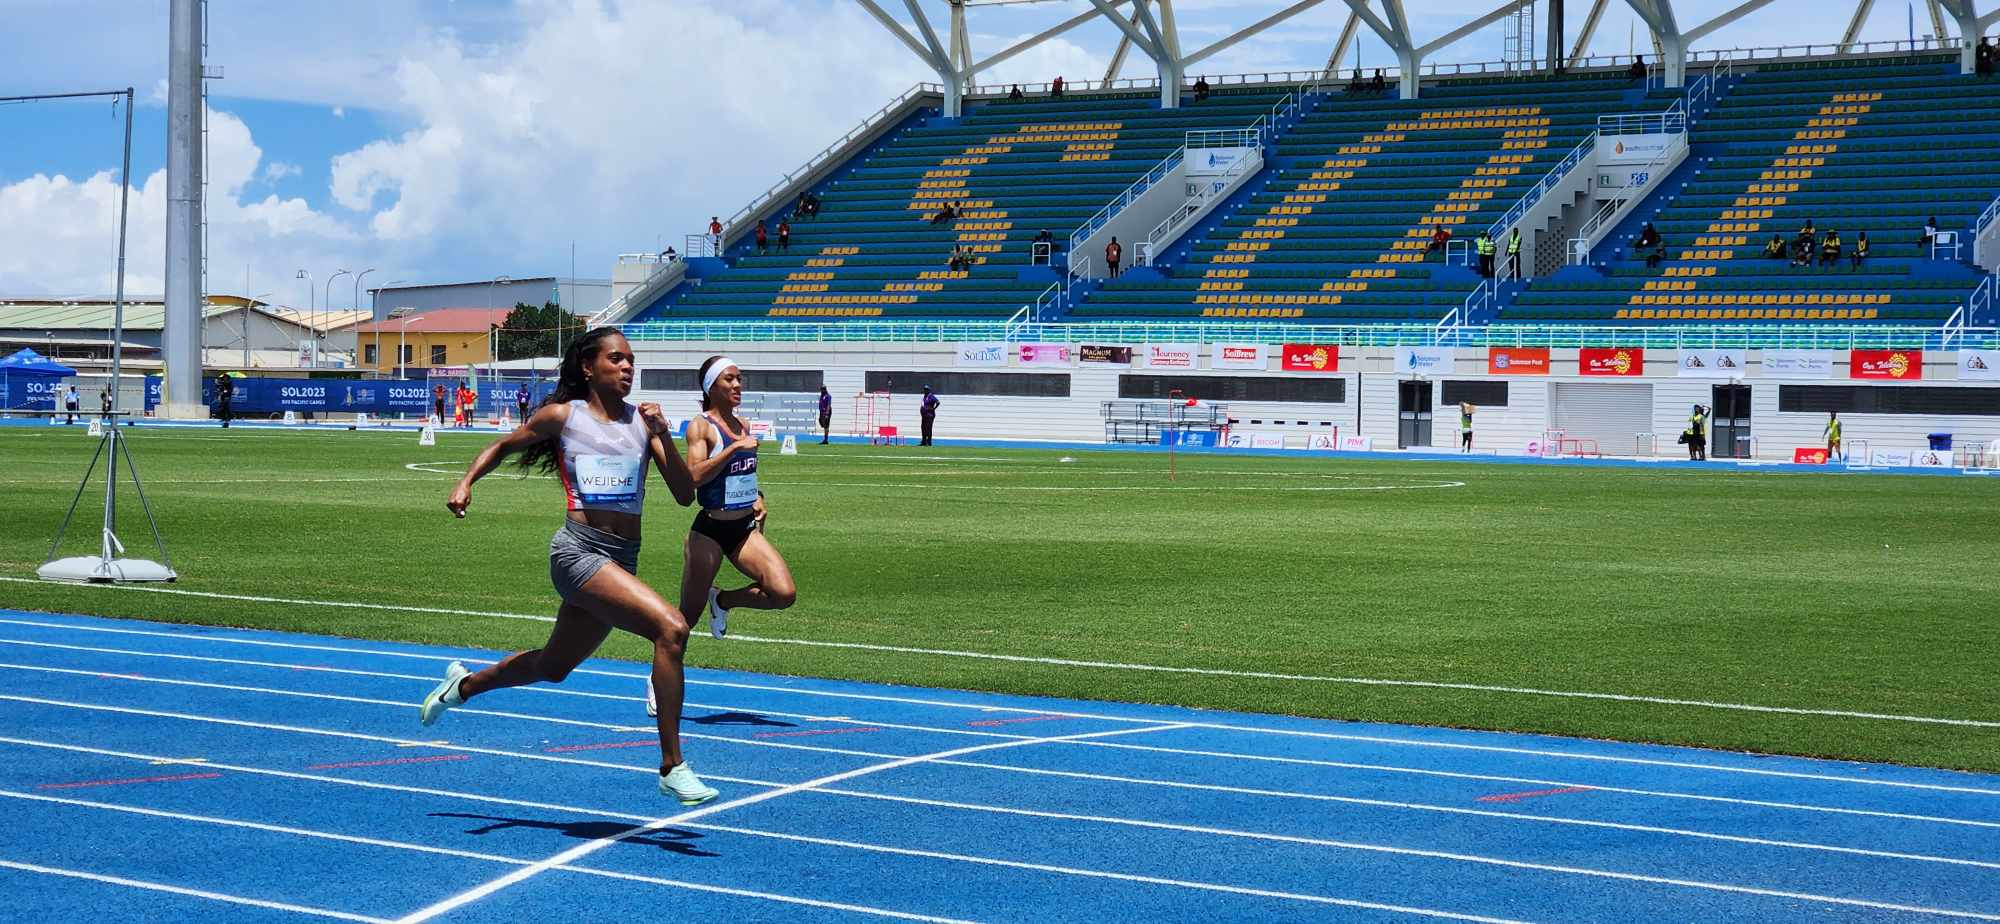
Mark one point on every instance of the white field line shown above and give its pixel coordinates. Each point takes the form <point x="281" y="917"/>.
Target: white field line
<point x="554" y="690"/>
<point x="826" y="785"/>
<point x="1334" y="736"/>
<point x="1103" y="665"/>
<point x="580" y="851"/>
<point x="192" y="893"/>
<point x="753" y="832"/>
<point x="465" y="855"/>
<point x="429" y="467"/>
<point x="1234" y="790"/>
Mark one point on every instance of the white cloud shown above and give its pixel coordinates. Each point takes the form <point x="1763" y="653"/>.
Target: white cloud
<point x="340" y="112"/>
<point x="278" y="170"/>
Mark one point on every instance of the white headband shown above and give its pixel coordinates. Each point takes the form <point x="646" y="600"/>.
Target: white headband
<point x="715" y="372"/>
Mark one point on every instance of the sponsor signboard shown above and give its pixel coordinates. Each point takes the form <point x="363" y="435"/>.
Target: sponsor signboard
<point x="1237" y="356"/>
<point x="1238" y="440"/>
<point x="1805" y="455"/>
<point x="1267" y="441"/>
<point x="1357" y="444"/>
<point x="1611" y="361"/>
<point x="992" y="353"/>
<point x="1213" y="161"/>
<point x="1895" y="365"/>
<point x="1106" y="355"/>
<point x="1309" y="357"/>
<point x="1048" y="354"/>
<point x="1713" y="364"/>
<point x="1632" y="149"/>
<point x="1930" y="458"/>
<point x="1171" y="355"/>
<point x="1517" y="360"/>
<point x="1889" y="458"/>
<point x="1201" y="439"/>
<point x="1798" y="364"/>
<point x="1979" y="365"/>
<point x="1322" y="442"/>
<point x="1423" y="360"/>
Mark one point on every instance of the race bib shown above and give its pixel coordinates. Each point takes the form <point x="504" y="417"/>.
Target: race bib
<point x="739" y="490"/>
<point x="611" y="479"/>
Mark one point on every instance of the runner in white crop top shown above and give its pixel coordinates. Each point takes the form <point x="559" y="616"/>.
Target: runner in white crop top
<point x="603" y="464"/>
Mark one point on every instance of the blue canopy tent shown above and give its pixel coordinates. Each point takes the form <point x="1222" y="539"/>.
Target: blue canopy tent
<point x="28" y="381"/>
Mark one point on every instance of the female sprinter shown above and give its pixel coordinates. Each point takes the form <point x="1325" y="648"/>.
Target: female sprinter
<point x="599" y="446"/>
<point x="722" y="459"/>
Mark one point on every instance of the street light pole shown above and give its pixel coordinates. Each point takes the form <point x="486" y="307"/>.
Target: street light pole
<point x="311" y="293"/>
<point x="492" y="340"/>
<point x="326" y="305"/>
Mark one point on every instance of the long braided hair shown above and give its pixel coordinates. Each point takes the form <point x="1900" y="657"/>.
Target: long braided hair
<point x="570" y="386"/>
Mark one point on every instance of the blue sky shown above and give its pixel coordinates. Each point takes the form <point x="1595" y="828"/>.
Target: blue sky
<point x="462" y="140"/>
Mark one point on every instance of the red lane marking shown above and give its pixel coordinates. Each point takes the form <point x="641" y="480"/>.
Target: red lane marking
<point x="350" y="765"/>
<point x="989" y="723"/>
<point x="1518" y="796"/>
<point x="817" y="731"/>
<point x="650" y="742"/>
<point x="137" y="779"/>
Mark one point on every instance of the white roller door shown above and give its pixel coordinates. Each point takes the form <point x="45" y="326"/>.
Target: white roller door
<point x="1610" y="413"/>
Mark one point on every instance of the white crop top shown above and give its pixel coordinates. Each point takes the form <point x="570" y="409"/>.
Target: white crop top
<point x="604" y="464"/>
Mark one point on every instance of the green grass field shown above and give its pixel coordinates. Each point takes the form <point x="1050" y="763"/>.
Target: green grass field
<point x="1825" y="592"/>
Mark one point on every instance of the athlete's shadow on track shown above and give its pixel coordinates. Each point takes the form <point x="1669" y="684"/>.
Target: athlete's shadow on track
<point x="736" y="718"/>
<point x="669" y="839"/>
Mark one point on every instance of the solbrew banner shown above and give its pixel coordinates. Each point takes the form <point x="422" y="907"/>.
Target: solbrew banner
<point x="1048" y="354"/>
<point x="1423" y="360"/>
<point x="1517" y="360"/>
<point x="1713" y="364"/>
<point x="1611" y="361"/>
<point x="1979" y="365"/>
<point x="981" y="354"/>
<point x="1238" y="356"/>
<point x="1309" y="357"/>
<point x="1171" y="355"/>
<point x="1106" y="355"/>
<point x="1798" y="364"/>
<point x="1896" y="365"/>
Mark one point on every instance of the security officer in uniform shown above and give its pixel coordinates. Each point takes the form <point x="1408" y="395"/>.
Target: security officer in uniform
<point x="1485" y="245"/>
<point x="1697" y="434"/>
<point x="1514" y="255"/>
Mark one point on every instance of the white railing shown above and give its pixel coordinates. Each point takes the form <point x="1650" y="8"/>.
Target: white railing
<point x="1577" y="253"/>
<point x="1077" y="272"/>
<point x="701" y="245"/>
<point x="1051" y="298"/>
<point x="1672" y="120"/>
<point x="1123" y="199"/>
<point x="1982" y="229"/>
<point x="1982" y="300"/>
<point x="1823" y="50"/>
<point x="1641" y="178"/>
<point x="666" y="272"/>
<point x="1479" y="298"/>
<point x="1952" y="329"/>
<point x="1555" y="178"/>
<point x="1016" y="322"/>
<point x="827" y="153"/>
<point x="1190" y="211"/>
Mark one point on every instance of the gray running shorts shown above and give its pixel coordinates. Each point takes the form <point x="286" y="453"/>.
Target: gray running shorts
<point x="577" y="551"/>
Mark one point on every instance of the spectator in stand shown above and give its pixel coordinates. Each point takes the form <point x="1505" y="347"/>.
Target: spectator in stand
<point x="961" y="261"/>
<point x="1378" y="83"/>
<point x="1648" y="237"/>
<point x="1113" y="252"/>
<point x="1514" y="255"/>
<point x="1357" y="84"/>
<point x="763" y="239"/>
<point x="1802" y="251"/>
<point x="1983" y="57"/>
<point x="808" y="206"/>
<point x="1056" y="86"/>
<point x="1440" y="236"/>
<point x="1485" y="246"/>
<point x="1776" y="249"/>
<point x="1808" y="230"/>
<point x="784" y="235"/>
<point x="225" y="392"/>
<point x="944" y="215"/>
<point x="1930" y="236"/>
<point x="1860" y="249"/>
<point x="927" y="413"/>
<point x="826" y="404"/>
<point x="1200" y="89"/>
<point x="1042" y="250"/>
<point x="1829" y="248"/>
<point x="1637" y="71"/>
<point x="1659" y="254"/>
<point x="715" y="235"/>
<point x="668" y="255"/>
<point x="1015" y="95"/>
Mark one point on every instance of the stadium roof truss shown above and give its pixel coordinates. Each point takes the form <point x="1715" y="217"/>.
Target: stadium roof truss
<point x="1149" y="27"/>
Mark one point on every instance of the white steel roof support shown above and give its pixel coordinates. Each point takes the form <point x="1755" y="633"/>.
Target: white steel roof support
<point x="1577" y="51"/>
<point x="1117" y="61"/>
<point x="1708" y="28"/>
<point x="1340" y="48"/>
<point x="1853" y="33"/>
<point x="1659" y="16"/>
<point x="929" y="51"/>
<point x="1394" y="29"/>
<point x="1172" y="68"/>
<point x="1971" y="26"/>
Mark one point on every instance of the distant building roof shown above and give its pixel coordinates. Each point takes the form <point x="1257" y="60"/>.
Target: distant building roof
<point x="442" y="321"/>
<point x="51" y="313"/>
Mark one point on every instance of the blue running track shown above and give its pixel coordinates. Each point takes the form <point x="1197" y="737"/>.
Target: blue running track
<point x="172" y="773"/>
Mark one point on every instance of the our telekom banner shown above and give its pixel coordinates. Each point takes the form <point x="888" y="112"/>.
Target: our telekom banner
<point x="1310" y="357"/>
<point x="1895" y="365"/>
<point x="1517" y="360"/>
<point x="1611" y="361"/>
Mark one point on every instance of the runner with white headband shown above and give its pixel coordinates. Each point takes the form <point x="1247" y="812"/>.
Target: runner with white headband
<point x="722" y="455"/>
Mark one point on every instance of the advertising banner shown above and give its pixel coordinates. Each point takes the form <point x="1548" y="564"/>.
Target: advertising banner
<point x="1889" y="458"/>
<point x="1894" y="365"/>
<point x="29" y="392"/>
<point x="1798" y="364"/>
<point x="1171" y="355"/>
<point x="1809" y="456"/>
<point x="1267" y="441"/>
<point x="1357" y="444"/>
<point x="1713" y="364"/>
<point x="1309" y="357"/>
<point x="1199" y="439"/>
<point x="1214" y="161"/>
<point x="1048" y="354"/>
<point x="1423" y="360"/>
<point x="1517" y="360"/>
<point x="1322" y="442"/>
<point x="1638" y="150"/>
<point x="1930" y="458"/>
<point x="1106" y="355"/>
<point x="1237" y="356"/>
<point x="1611" y="361"/>
<point x="1979" y="365"/>
<point x="982" y="354"/>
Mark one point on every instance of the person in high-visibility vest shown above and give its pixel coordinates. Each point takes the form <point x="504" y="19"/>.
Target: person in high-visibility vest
<point x="1697" y="435"/>
<point x="1832" y="436"/>
<point x="1485" y="245"/>
<point x="1514" y="255"/>
<point x="1465" y="410"/>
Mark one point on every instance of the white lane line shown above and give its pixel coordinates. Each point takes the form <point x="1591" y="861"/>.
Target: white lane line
<point x="776" y="835"/>
<point x="825" y="785"/>
<point x="430" y="468"/>
<point x="1400" y="742"/>
<point x="875" y="755"/>
<point x="470" y="855"/>
<point x="1094" y="665"/>
<point x="192" y="893"/>
<point x="583" y="850"/>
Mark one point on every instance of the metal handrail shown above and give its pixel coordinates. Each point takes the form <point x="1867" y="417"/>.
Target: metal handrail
<point x="1952" y="327"/>
<point x="1119" y="202"/>
<point x="1050" y="297"/>
<point x="1554" y="178"/>
<point x="1611" y="206"/>
<point x="817" y="160"/>
<point x="1982" y="299"/>
<point x="1175" y="223"/>
<point x="1979" y="228"/>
